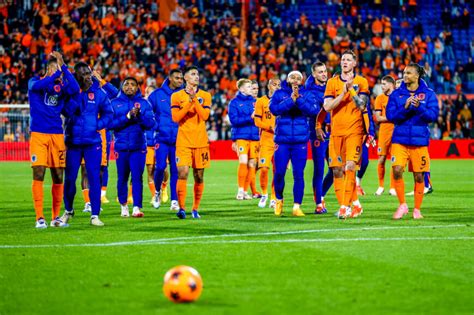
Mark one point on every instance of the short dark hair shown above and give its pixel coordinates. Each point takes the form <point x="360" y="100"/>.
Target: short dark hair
<point x="173" y="71"/>
<point x="187" y="69"/>
<point x="317" y="64"/>
<point x="389" y="79"/>
<point x="419" y="69"/>
<point x="80" y="65"/>
<point x="131" y="78"/>
<point x="349" y="52"/>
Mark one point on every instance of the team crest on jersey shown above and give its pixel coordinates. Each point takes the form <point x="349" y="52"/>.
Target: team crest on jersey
<point x="50" y="100"/>
<point x="276" y="147"/>
<point x="136" y="105"/>
<point x="330" y="160"/>
<point x="316" y="143"/>
<point x="177" y="159"/>
<point x="356" y="87"/>
<point x="262" y="161"/>
<point x="379" y="150"/>
<point x="57" y="88"/>
<point x="393" y="158"/>
<point x="157" y="146"/>
<point x="91" y="96"/>
<point x="421" y="96"/>
<point x="339" y="159"/>
<point x="34" y="158"/>
<point x="200" y="100"/>
<point x="116" y="155"/>
<point x="241" y="149"/>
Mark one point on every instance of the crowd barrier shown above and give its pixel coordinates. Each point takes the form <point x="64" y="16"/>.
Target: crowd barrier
<point x="222" y="150"/>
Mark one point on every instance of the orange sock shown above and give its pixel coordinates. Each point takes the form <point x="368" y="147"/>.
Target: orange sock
<point x="181" y="191"/>
<point x="85" y="194"/>
<point x="151" y="185"/>
<point x="392" y="184"/>
<point x="349" y="183"/>
<point x="37" y="190"/>
<point x="264" y="180"/>
<point x="381" y="172"/>
<point x="242" y="175"/>
<point x="198" y="190"/>
<point x="419" y="190"/>
<point x="130" y="193"/>
<point x="251" y="179"/>
<point x="339" y="189"/>
<point x="273" y="192"/>
<point x="354" y="195"/>
<point x="57" y="192"/>
<point x="163" y="185"/>
<point x="400" y="189"/>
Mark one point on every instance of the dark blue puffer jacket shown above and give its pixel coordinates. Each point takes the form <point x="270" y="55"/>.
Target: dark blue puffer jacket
<point x="411" y="125"/>
<point x="90" y="111"/>
<point x="292" y="124"/>
<point x="130" y="133"/>
<point x="166" y="129"/>
<point x="241" y="108"/>
<point x="318" y="91"/>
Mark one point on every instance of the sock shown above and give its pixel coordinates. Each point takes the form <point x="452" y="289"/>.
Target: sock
<point x="400" y="189"/>
<point x="273" y="191"/>
<point x="357" y="179"/>
<point x="251" y="178"/>
<point x="181" y="191"/>
<point x="381" y="172"/>
<point x="130" y="192"/>
<point x="57" y="192"/>
<point x="355" y="197"/>
<point x="163" y="185"/>
<point x="264" y="180"/>
<point x="37" y="190"/>
<point x="85" y="194"/>
<point x="296" y="206"/>
<point x="339" y="189"/>
<point x="349" y="180"/>
<point x="419" y="190"/>
<point x="242" y="174"/>
<point x="392" y="184"/>
<point x="198" y="189"/>
<point x="151" y="185"/>
<point x="103" y="191"/>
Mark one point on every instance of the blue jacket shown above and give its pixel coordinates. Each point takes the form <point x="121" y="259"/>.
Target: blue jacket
<point x="166" y="129"/>
<point x="411" y="125"/>
<point x="241" y="108"/>
<point x="318" y="90"/>
<point x="47" y="99"/>
<point x="130" y="133"/>
<point x="292" y="124"/>
<point x="88" y="112"/>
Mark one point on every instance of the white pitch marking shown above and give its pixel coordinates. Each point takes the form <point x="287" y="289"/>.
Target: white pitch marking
<point x="193" y="239"/>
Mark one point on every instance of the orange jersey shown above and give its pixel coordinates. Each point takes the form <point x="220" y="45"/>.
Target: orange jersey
<point x="191" y="115"/>
<point x="346" y="118"/>
<point x="381" y="106"/>
<point x="264" y="120"/>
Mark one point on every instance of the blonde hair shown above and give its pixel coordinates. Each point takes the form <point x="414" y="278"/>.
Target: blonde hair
<point x="241" y="82"/>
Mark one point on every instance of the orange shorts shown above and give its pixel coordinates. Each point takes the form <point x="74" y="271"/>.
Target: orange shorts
<point x="193" y="157"/>
<point x="385" y="143"/>
<point x="418" y="157"/>
<point x="248" y="147"/>
<point x="150" y="156"/>
<point x="344" y="148"/>
<point x="47" y="150"/>
<point x="265" y="156"/>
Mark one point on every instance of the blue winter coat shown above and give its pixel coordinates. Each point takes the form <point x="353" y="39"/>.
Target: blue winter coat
<point x="292" y="124"/>
<point x="166" y="129"/>
<point x="241" y="108"/>
<point x="130" y="133"/>
<point x="411" y="125"/>
<point x="318" y="91"/>
<point x="88" y="112"/>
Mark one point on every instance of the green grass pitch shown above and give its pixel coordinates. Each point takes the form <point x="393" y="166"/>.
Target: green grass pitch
<point x="251" y="262"/>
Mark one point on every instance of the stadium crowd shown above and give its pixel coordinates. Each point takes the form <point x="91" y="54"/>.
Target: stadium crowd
<point x="124" y="38"/>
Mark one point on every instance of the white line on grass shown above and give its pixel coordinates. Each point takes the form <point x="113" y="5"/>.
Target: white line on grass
<point x="194" y="239"/>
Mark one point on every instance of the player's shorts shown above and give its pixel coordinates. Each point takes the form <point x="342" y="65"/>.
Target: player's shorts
<point x="47" y="150"/>
<point x="385" y="142"/>
<point x="150" y="156"/>
<point x="344" y="148"/>
<point x="265" y="156"/>
<point x="418" y="157"/>
<point x="248" y="147"/>
<point x="193" y="157"/>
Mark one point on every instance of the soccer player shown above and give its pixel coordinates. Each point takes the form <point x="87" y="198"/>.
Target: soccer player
<point x="150" y="152"/>
<point x="166" y="136"/>
<point x="190" y="108"/>
<point x="317" y="83"/>
<point x="133" y="115"/>
<point x="346" y="98"/>
<point x="245" y="134"/>
<point x="265" y="120"/>
<point x="411" y="108"/>
<point x="292" y="105"/>
<point x="385" y="131"/>
<point x="92" y="112"/>
<point x="47" y="149"/>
